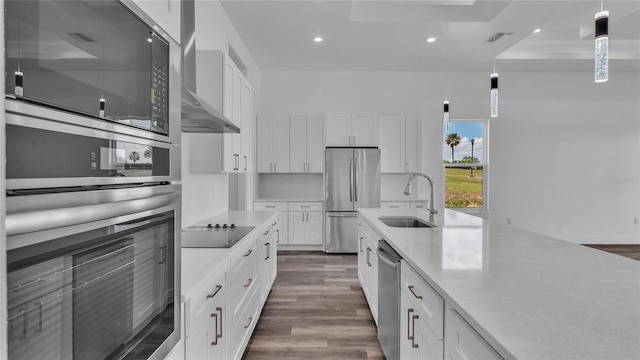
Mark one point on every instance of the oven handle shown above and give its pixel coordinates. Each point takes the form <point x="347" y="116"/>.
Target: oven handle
<point x="32" y="221"/>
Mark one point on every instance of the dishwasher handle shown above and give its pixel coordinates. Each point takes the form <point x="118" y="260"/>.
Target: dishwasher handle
<point x="386" y="258"/>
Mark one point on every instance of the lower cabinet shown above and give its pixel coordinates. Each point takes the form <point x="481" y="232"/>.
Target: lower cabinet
<point x="222" y="310"/>
<point x="207" y="341"/>
<point x="368" y="265"/>
<point x="462" y="342"/>
<point x="299" y="222"/>
<point x="417" y="341"/>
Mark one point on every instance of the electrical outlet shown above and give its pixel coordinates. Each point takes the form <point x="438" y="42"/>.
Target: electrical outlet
<point x="636" y="221"/>
<point x="508" y="221"/>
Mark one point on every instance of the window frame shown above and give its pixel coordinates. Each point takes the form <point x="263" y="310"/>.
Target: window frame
<point x="485" y="168"/>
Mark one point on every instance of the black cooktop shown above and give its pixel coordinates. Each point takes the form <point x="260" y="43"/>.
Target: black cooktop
<point x="214" y="236"/>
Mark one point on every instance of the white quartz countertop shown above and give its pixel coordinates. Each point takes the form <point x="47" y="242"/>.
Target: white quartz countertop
<point x="529" y="295"/>
<point x="197" y="263"/>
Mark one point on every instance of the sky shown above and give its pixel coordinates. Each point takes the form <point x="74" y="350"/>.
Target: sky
<point x="466" y="131"/>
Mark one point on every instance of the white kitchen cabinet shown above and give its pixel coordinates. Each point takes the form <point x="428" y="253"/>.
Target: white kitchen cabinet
<point x="213" y="153"/>
<point x="208" y="339"/>
<point x="405" y="204"/>
<point x="462" y="342"/>
<point x="273" y="144"/>
<point x="305" y="223"/>
<point x="351" y="129"/>
<point x="306" y="144"/>
<point x="417" y="342"/>
<point x="368" y="265"/>
<point x="400" y="147"/>
<point x="268" y="258"/>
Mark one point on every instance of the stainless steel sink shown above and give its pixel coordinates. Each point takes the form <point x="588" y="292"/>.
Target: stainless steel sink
<point x="406" y="222"/>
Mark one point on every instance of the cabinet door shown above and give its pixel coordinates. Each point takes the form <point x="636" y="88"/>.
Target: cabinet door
<point x="420" y="205"/>
<point x="462" y="342"/>
<point x="413" y="144"/>
<point x="246" y="127"/>
<point x="197" y="345"/>
<point x="283" y="228"/>
<point x="227" y="91"/>
<point x="297" y="227"/>
<point x="392" y="144"/>
<point x="264" y="144"/>
<point x="315" y="144"/>
<point x="372" y="277"/>
<point x="230" y="156"/>
<point x="362" y="261"/>
<point x="314" y="228"/>
<point x="338" y="129"/>
<point x="281" y="144"/>
<point x="298" y="136"/>
<point x="364" y="129"/>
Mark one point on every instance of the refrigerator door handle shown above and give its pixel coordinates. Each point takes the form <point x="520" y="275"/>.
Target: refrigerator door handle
<point x="350" y="180"/>
<point x="355" y="184"/>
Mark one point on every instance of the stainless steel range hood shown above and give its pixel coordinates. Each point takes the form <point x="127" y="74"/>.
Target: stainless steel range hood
<point x="197" y="114"/>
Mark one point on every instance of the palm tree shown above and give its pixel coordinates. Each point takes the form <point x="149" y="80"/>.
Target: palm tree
<point x="453" y="140"/>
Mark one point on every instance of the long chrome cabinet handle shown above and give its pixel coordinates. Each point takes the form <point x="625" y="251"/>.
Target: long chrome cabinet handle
<point x="215" y="292"/>
<point x="368" y="252"/>
<point x="409" y="335"/>
<point x="361" y="249"/>
<point x="419" y="297"/>
<point x="278" y="236"/>
<point x="413" y="333"/>
<point x="215" y="336"/>
<point x="268" y="249"/>
<point x="219" y="309"/>
<point x="245" y="163"/>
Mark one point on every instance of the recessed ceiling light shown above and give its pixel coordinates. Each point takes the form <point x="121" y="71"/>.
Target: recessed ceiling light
<point x="537" y="30"/>
<point x="317" y="39"/>
<point x="431" y="39"/>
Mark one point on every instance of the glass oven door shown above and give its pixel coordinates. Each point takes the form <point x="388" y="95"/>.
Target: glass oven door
<point x="102" y="294"/>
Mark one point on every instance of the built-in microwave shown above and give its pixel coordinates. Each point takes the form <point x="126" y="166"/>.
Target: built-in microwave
<point x="96" y="58"/>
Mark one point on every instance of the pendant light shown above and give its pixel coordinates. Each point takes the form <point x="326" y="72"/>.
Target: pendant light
<point x="602" y="45"/>
<point x="494" y="76"/>
<point x="445" y="118"/>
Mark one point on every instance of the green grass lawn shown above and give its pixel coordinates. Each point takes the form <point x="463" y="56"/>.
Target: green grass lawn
<point x="462" y="191"/>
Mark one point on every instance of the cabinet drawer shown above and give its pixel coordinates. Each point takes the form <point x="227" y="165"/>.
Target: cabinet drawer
<point x="394" y="205"/>
<point x="463" y="342"/>
<point x="426" y="300"/>
<point x="420" y="205"/>
<point x="270" y="206"/>
<point x="242" y="286"/>
<point x="242" y="256"/>
<point x="210" y="291"/>
<point x="243" y="326"/>
<point x="305" y="206"/>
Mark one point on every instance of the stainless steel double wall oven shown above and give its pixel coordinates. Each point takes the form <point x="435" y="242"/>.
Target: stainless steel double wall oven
<point x="93" y="181"/>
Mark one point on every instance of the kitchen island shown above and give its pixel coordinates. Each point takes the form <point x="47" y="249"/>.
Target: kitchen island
<point x="529" y="296"/>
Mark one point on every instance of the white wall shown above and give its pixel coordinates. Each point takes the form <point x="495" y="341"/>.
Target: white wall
<point x="565" y="152"/>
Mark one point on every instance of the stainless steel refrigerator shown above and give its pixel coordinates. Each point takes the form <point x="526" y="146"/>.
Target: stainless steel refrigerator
<point x="352" y="181"/>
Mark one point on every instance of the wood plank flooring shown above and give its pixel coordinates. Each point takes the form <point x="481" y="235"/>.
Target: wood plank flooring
<point x="316" y="310"/>
<point x="631" y="250"/>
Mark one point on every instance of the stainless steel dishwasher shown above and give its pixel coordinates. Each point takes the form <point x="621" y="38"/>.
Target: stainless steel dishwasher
<point x="389" y="300"/>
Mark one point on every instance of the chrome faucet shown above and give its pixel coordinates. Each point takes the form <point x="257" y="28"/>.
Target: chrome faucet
<point x="407" y="191"/>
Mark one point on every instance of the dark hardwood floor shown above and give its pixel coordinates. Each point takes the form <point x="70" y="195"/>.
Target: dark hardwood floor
<point x="631" y="251"/>
<point x="316" y="310"/>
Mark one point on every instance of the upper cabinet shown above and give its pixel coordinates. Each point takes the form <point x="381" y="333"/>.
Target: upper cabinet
<point x="223" y="85"/>
<point x="307" y="149"/>
<point x="351" y="129"/>
<point x="273" y="144"/>
<point x="400" y="147"/>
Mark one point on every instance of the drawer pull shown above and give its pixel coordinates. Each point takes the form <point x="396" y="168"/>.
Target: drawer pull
<point x="274" y="224"/>
<point x="218" y="287"/>
<point x="268" y="250"/>
<point x="413" y="325"/>
<point x="414" y="293"/>
<point x="409" y="335"/>
<point x="266" y="232"/>
<point x="248" y="253"/>
<point x="368" y="253"/>
<point x="271" y="206"/>
<point x="249" y="323"/>
<point x="305" y="206"/>
<point x="248" y="282"/>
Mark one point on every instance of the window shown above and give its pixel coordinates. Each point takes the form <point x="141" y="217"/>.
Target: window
<point x="464" y="153"/>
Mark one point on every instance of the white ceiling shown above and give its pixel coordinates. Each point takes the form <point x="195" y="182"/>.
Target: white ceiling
<point x="390" y="35"/>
